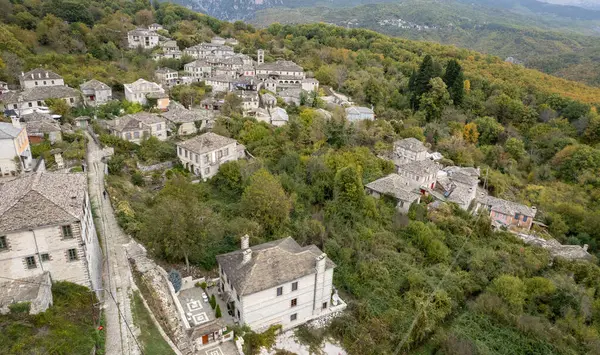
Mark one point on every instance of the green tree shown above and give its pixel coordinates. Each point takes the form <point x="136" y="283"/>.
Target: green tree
<point x="218" y="312"/>
<point x="454" y="79"/>
<point x="511" y="289"/>
<point x="232" y="105"/>
<point x="265" y="201"/>
<point x="489" y="130"/>
<point x="213" y="301"/>
<point x="515" y="147"/>
<point x="435" y="100"/>
<point x="422" y="81"/>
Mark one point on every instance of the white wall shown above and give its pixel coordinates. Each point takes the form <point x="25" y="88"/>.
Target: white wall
<point x="29" y="83"/>
<point x="197" y="163"/>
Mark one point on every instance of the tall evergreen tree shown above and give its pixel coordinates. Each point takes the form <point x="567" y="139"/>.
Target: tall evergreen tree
<point x="421" y="82"/>
<point x="454" y="80"/>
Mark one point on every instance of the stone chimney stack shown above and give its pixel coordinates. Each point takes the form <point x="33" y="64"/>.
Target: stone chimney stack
<point x="46" y="74"/>
<point x="321" y="260"/>
<point x="247" y="255"/>
<point x="15" y="121"/>
<point x="245" y="242"/>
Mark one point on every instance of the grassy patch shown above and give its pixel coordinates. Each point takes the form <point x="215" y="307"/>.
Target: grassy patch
<point x="150" y="338"/>
<point x="65" y="328"/>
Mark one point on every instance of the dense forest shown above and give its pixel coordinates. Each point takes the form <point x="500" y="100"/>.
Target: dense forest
<point x="434" y="281"/>
<point x="558" y="45"/>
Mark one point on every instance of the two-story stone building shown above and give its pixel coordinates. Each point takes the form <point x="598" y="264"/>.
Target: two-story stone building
<point x="135" y="127"/>
<point x="277" y="283"/>
<point x="95" y="92"/>
<point x="141" y="37"/>
<point x="40" y="77"/>
<point x="204" y="154"/>
<point x="46" y="224"/>
<point x="409" y="149"/>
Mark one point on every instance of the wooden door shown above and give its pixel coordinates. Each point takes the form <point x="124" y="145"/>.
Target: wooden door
<point x="205" y="339"/>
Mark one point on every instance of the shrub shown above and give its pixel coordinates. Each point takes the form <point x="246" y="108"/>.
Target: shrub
<point x="218" y="311"/>
<point x="21" y="307"/>
<point x="213" y="301"/>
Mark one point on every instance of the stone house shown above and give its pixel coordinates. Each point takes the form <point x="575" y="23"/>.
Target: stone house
<point x="220" y="83"/>
<point x="166" y="76"/>
<point x="139" y="89"/>
<point x="359" y="113"/>
<point x="38" y="130"/>
<point x="135" y="127"/>
<point x="401" y="189"/>
<point x="141" y="37"/>
<point x="182" y="122"/>
<point x="198" y="69"/>
<point x="506" y="213"/>
<point x="35" y="290"/>
<point x="40" y="77"/>
<point x="14" y="142"/>
<point x="204" y="50"/>
<point x="46" y="225"/>
<point x="284" y="71"/>
<point x="422" y="173"/>
<point x="3" y="87"/>
<point x="409" y="149"/>
<point x="95" y="92"/>
<point x="204" y="154"/>
<point x="291" y="96"/>
<point x="310" y="84"/>
<point x="458" y="185"/>
<point x="268" y="101"/>
<point x="34" y="99"/>
<point x="277" y="283"/>
<point x="279" y="116"/>
<point x="218" y="40"/>
<point x="155" y="27"/>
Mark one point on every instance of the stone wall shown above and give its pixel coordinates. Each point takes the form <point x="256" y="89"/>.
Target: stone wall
<point x="152" y="281"/>
<point x="159" y="166"/>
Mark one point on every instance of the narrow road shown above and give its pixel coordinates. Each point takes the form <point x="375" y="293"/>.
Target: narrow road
<point x="117" y="278"/>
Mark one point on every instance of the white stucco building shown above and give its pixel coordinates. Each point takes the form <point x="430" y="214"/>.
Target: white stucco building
<point x="34" y="99"/>
<point x="14" y="143"/>
<point x="46" y="224"/>
<point x="40" y="77"/>
<point x="204" y="154"/>
<point x="277" y="283"/>
<point x="95" y="92"/>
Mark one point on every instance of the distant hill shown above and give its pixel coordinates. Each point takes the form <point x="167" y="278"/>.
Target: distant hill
<point x="552" y="44"/>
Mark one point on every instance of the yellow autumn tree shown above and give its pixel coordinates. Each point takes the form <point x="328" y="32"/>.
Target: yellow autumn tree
<point x="470" y="133"/>
<point x="467" y="86"/>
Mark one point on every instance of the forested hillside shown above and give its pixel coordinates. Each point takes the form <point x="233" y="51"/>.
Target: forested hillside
<point x="554" y="45"/>
<point x="435" y="281"/>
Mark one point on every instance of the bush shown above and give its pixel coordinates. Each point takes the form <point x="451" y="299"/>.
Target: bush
<point x="137" y="179"/>
<point x="213" y="302"/>
<point x="218" y="311"/>
<point x="21" y="307"/>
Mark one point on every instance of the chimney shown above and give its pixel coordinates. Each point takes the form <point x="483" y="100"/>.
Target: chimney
<point x="245" y="242"/>
<point x="39" y="75"/>
<point x="15" y="121"/>
<point x="321" y="260"/>
<point x="585" y="247"/>
<point x="46" y="74"/>
<point x="247" y="255"/>
<point x="32" y="76"/>
<point x="22" y="73"/>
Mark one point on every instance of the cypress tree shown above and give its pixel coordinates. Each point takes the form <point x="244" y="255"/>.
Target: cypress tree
<point x="454" y="80"/>
<point x="421" y="83"/>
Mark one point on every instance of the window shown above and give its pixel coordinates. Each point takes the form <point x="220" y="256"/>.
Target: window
<point x="30" y="104"/>
<point x="239" y="314"/>
<point x="45" y="83"/>
<point x="324" y="305"/>
<point x="517" y="216"/>
<point x="197" y="157"/>
<point x="3" y="244"/>
<point x="238" y="297"/>
<point x="185" y="153"/>
<point x="279" y="291"/>
<point x="219" y="154"/>
<point x="14" y="106"/>
<point x="294" y="302"/>
<point x="45" y="257"/>
<point x="72" y="254"/>
<point x="294" y="286"/>
<point x="524" y="218"/>
<point x="40" y="103"/>
<point x="52" y="82"/>
<point x="158" y="127"/>
<point x="293" y="317"/>
<point x="136" y="134"/>
<point x="71" y="99"/>
<point x="180" y="151"/>
<point x="206" y="171"/>
<point x="67" y="232"/>
<point x="206" y="158"/>
<point x="226" y="152"/>
<point x="30" y="260"/>
<point x="36" y="83"/>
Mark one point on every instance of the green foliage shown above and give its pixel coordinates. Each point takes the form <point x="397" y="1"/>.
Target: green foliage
<point x="218" y="311"/>
<point x="20" y="307"/>
<point x="265" y="201"/>
<point x="511" y="289"/>
<point x="150" y="338"/>
<point x="254" y="342"/>
<point x="213" y="302"/>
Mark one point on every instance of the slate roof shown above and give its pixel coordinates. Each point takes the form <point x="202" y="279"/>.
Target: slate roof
<point x="506" y="207"/>
<point x="165" y="70"/>
<point x="40" y="73"/>
<point x="142" y="32"/>
<point x="94" y="85"/>
<point x="293" y="93"/>
<point x="183" y="115"/>
<point x="8" y="131"/>
<point x="420" y="167"/>
<point x="42" y="199"/>
<point x="411" y="144"/>
<point x="40" y="127"/>
<point x="168" y="44"/>
<point x="281" y="65"/>
<point x="36" y="116"/>
<point x="272" y="264"/>
<point x="198" y="63"/>
<point x="23" y="290"/>
<point x="278" y="114"/>
<point x="394" y="185"/>
<point x="132" y="122"/>
<point x="39" y="94"/>
<point x="205" y="143"/>
<point x="359" y="110"/>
